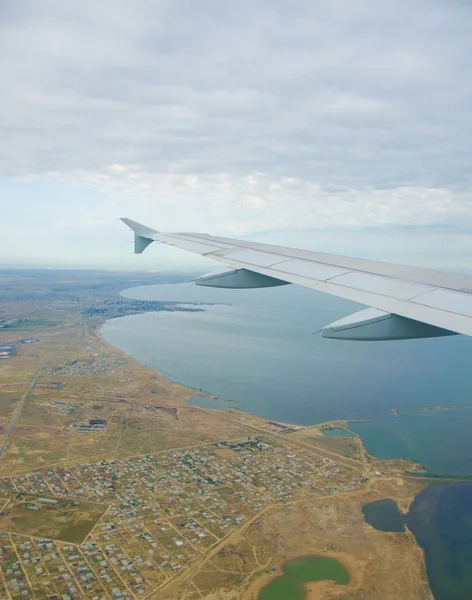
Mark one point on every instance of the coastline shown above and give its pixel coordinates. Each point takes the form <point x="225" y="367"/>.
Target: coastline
<point x="258" y="353"/>
<point x="411" y="468"/>
<point x="129" y="356"/>
<point x="317" y="427"/>
<point x="207" y="394"/>
<point x="291" y="427"/>
<point x="300" y="438"/>
<point x="215" y="402"/>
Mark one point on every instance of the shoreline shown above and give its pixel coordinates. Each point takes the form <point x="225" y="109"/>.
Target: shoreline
<point x="224" y="404"/>
<point x="315" y="426"/>
<point x="335" y="422"/>
<point x="98" y="329"/>
<point x="202" y="392"/>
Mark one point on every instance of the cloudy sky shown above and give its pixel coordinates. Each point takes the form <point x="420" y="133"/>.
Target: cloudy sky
<point x="340" y="126"/>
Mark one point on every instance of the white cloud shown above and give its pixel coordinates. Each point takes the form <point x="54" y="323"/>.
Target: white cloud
<point x="235" y="118"/>
<point x="228" y="204"/>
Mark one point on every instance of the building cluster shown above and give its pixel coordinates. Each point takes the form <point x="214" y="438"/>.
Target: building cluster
<point x="92" y="425"/>
<point x="8" y="349"/>
<point x="103" y="365"/>
<point x="5" y="351"/>
<point x="39" y="567"/>
<point x="164" y="511"/>
<point x="9" y="322"/>
<point x="115" y="306"/>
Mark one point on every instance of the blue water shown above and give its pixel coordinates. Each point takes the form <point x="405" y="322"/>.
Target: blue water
<point x="384" y="515"/>
<point x="260" y="352"/>
<point x="440" y="440"/>
<point x="441" y="519"/>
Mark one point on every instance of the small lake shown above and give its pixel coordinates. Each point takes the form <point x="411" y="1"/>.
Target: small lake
<point x="303" y="570"/>
<point x="384" y="515"/>
<point x="440" y="518"/>
<point x="337" y="432"/>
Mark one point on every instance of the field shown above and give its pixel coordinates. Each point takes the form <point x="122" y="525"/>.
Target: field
<point x="69" y="376"/>
<point x="56" y="518"/>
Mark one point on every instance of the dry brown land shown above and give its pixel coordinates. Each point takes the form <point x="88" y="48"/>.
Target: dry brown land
<point x="329" y="526"/>
<point x="131" y="398"/>
<point x="348" y="447"/>
<point x="45" y="395"/>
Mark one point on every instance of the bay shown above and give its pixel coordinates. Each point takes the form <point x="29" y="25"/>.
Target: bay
<point x="440" y="518"/>
<point x="257" y="348"/>
<point x="438" y="439"/>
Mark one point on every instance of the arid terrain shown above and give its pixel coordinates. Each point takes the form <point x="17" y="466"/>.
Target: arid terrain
<point x="113" y="486"/>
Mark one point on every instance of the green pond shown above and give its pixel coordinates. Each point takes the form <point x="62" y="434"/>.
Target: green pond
<point x="303" y="570"/>
<point x="282" y="588"/>
<point x="337" y="432"/>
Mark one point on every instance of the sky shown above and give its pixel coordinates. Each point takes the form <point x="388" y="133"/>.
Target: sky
<point x="338" y="126"/>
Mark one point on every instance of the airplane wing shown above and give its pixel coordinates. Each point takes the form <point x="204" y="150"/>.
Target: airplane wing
<point x="406" y="302"/>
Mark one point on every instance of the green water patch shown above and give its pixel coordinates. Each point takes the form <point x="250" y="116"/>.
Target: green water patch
<point x="282" y="588"/>
<point x="384" y="515"/>
<point x="337" y="432"/>
<point x="316" y="568"/>
<point x="303" y="570"/>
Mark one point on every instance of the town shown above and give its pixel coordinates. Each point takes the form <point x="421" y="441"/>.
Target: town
<point x="159" y="514"/>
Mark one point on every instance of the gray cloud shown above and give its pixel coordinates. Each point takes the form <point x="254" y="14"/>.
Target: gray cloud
<point x="239" y="117"/>
<point x="365" y="93"/>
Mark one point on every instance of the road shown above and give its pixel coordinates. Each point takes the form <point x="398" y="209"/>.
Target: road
<point x="19" y="406"/>
<point x="21" y="403"/>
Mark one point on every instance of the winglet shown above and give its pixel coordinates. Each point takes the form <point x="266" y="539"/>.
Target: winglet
<point x="142" y="235"/>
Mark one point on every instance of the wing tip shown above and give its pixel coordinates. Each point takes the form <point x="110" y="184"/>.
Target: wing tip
<point x="143" y="235"/>
<point x="138" y="228"/>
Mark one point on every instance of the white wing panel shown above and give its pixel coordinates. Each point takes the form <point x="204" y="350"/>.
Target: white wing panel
<point x="395" y="288"/>
<point x="307" y="268"/>
<point x="254" y="257"/>
<point x="190" y="245"/>
<point x="382" y="301"/>
<point x="455" y="302"/>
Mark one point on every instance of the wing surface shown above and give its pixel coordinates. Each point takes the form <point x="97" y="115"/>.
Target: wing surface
<point x="440" y="301"/>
